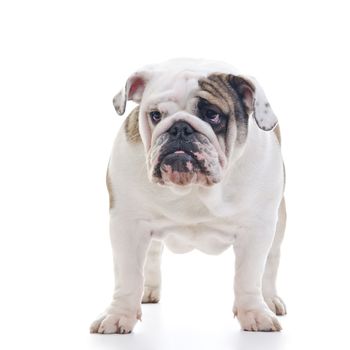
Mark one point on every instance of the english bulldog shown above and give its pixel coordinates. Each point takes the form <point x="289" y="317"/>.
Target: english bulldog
<point x="196" y="165"/>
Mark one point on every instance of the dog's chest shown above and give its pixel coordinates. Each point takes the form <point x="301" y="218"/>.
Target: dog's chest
<point x="208" y="226"/>
<point x="210" y="239"/>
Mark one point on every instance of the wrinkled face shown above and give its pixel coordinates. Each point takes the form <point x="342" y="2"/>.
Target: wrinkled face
<point x="190" y="126"/>
<point x="183" y="155"/>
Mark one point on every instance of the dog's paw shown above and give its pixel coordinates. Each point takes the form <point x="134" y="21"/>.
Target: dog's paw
<point x="114" y="323"/>
<point x="258" y="320"/>
<point x="276" y="305"/>
<point x="151" y="295"/>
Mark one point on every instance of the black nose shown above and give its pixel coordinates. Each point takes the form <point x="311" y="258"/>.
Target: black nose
<point x="180" y="129"/>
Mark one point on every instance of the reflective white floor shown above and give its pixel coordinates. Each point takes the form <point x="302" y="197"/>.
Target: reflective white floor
<point x="194" y="313"/>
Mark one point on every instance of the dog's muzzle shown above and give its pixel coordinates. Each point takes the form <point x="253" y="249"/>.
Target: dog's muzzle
<point x="182" y="156"/>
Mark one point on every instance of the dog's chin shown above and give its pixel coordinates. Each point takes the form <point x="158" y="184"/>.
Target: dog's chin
<point x="181" y="170"/>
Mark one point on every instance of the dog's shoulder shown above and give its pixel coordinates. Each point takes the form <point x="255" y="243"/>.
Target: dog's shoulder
<point x="131" y="126"/>
<point x="277" y="132"/>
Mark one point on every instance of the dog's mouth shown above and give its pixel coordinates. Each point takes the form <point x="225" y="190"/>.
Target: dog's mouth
<point x="182" y="167"/>
<point x="180" y="161"/>
<point x="184" y="161"/>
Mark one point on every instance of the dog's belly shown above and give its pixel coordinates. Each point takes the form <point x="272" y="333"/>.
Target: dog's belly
<point x="206" y="238"/>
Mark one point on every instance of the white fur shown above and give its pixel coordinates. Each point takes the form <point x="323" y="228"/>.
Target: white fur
<point x="241" y="210"/>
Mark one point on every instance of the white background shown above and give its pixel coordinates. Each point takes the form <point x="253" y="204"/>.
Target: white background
<point x="61" y="64"/>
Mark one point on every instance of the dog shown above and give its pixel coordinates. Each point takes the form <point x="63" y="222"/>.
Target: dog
<point x="196" y="165"/>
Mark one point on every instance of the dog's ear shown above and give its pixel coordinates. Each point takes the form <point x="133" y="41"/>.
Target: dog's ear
<point x="133" y="90"/>
<point x="254" y="101"/>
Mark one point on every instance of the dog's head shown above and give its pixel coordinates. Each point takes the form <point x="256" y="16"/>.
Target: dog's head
<point x="193" y="119"/>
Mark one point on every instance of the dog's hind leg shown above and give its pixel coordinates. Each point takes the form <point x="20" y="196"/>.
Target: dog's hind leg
<point x="271" y="297"/>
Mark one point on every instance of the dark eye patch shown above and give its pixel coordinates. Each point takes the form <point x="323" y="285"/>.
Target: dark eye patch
<point x="212" y="114"/>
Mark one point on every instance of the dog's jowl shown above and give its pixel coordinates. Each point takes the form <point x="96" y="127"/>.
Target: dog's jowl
<point x="204" y="137"/>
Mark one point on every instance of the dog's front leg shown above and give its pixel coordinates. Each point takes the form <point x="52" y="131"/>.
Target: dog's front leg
<point x="251" y="250"/>
<point x="130" y="241"/>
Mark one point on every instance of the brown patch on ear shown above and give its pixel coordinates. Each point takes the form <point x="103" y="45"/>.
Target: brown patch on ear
<point x="109" y="188"/>
<point x="277" y="132"/>
<point x="245" y="90"/>
<point x="131" y="126"/>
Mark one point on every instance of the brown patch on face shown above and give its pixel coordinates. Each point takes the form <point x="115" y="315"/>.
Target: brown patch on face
<point x="109" y="188"/>
<point x="131" y="126"/>
<point x="218" y="89"/>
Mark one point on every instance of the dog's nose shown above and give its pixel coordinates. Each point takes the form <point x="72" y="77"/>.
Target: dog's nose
<point x="181" y="129"/>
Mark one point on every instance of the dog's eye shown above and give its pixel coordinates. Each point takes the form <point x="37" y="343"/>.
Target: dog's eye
<point x="212" y="116"/>
<point x="156" y="116"/>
